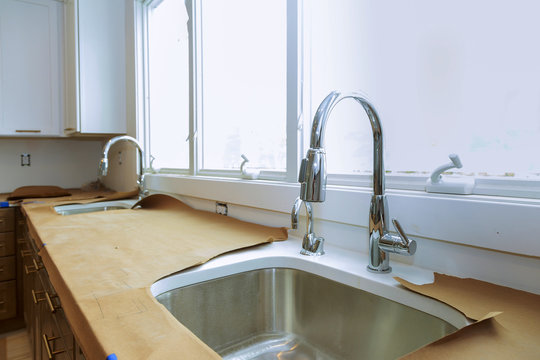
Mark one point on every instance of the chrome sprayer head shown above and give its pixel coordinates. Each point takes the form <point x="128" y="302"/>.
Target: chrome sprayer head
<point x="312" y="176"/>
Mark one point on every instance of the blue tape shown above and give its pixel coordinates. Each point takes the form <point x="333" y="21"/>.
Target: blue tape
<point x="112" y="357"/>
<point x="4" y="204"/>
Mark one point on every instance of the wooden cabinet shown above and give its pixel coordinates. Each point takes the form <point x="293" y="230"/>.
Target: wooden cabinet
<point x="8" y="271"/>
<point x="47" y="325"/>
<point x="95" y="66"/>
<point x="31" y="68"/>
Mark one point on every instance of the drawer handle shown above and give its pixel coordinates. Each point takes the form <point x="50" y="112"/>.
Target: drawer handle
<point x="35" y="294"/>
<point x="36" y="265"/>
<point x="28" y="270"/>
<point x="25" y="253"/>
<point x="53" y="353"/>
<point x="49" y="302"/>
<point x="46" y="297"/>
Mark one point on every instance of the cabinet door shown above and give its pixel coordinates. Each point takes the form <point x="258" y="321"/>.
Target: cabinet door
<point x="99" y="71"/>
<point x="30" y="67"/>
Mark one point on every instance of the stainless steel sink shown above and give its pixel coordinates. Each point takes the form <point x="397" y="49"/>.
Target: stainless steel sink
<point x="281" y="313"/>
<point x="73" y="209"/>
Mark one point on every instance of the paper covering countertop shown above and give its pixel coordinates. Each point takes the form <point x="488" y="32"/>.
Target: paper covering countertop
<point x="507" y="320"/>
<point x="102" y="265"/>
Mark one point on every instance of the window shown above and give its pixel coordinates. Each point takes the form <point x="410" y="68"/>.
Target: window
<point x="244" y="78"/>
<point x="168" y="84"/>
<point x="446" y="77"/>
<point x="440" y="82"/>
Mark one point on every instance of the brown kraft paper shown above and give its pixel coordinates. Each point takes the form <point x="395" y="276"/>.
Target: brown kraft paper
<point x="507" y="320"/>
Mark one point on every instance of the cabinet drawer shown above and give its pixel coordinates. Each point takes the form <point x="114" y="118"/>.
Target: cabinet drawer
<point x="7" y="220"/>
<point x="8" y="299"/>
<point x="7" y="244"/>
<point x="7" y="268"/>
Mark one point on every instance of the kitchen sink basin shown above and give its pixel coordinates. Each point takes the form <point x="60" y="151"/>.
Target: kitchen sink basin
<point x="74" y="209"/>
<point x="284" y="313"/>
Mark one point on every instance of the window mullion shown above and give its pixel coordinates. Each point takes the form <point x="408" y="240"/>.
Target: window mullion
<point x="294" y="74"/>
<point x="195" y="83"/>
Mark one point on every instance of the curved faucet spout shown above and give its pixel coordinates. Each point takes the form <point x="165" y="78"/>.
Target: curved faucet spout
<point x="314" y="168"/>
<point x="104" y="162"/>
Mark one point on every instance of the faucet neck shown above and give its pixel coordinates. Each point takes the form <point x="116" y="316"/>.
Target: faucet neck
<point x="126" y="138"/>
<point x="319" y="125"/>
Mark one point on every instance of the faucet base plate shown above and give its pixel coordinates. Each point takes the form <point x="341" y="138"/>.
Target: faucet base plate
<point x="311" y="253"/>
<point x="376" y="271"/>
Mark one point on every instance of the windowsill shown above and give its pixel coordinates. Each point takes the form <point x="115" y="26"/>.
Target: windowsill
<point x="492" y="222"/>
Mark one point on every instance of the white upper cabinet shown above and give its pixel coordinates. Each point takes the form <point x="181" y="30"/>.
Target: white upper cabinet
<point x="95" y="66"/>
<point x="31" y="65"/>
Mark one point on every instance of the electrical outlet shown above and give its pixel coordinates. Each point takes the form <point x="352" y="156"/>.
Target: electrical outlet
<point x="222" y="208"/>
<point x="25" y="159"/>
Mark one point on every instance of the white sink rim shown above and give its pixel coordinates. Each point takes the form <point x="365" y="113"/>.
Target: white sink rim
<point x="126" y="204"/>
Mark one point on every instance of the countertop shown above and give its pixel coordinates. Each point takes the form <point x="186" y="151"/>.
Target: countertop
<point x="102" y="265"/>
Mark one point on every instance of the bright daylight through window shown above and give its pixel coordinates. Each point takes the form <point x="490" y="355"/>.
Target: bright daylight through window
<point x="440" y="83"/>
<point x="244" y="79"/>
<point x="168" y="82"/>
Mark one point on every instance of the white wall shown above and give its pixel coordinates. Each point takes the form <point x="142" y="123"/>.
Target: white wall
<point x="62" y="162"/>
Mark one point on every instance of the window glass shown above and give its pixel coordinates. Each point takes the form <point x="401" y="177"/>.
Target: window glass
<point x="168" y="78"/>
<point x="445" y="77"/>
<point x="244" y="83"/>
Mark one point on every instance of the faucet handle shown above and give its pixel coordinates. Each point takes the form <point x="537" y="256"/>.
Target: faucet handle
<point x="397" y="244"/>
<point x="399" y="230"/>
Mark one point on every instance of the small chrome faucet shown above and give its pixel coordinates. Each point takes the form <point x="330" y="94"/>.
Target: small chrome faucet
<point x="312" y="178"/>
<point x="104" y="163"/>
<point x="311" y="245"/>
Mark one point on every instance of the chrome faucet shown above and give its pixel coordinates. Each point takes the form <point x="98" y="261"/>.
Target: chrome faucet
<point x="311" y="245"/>
<point x="104" y="163"/>
<point x="312" y="178"/>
